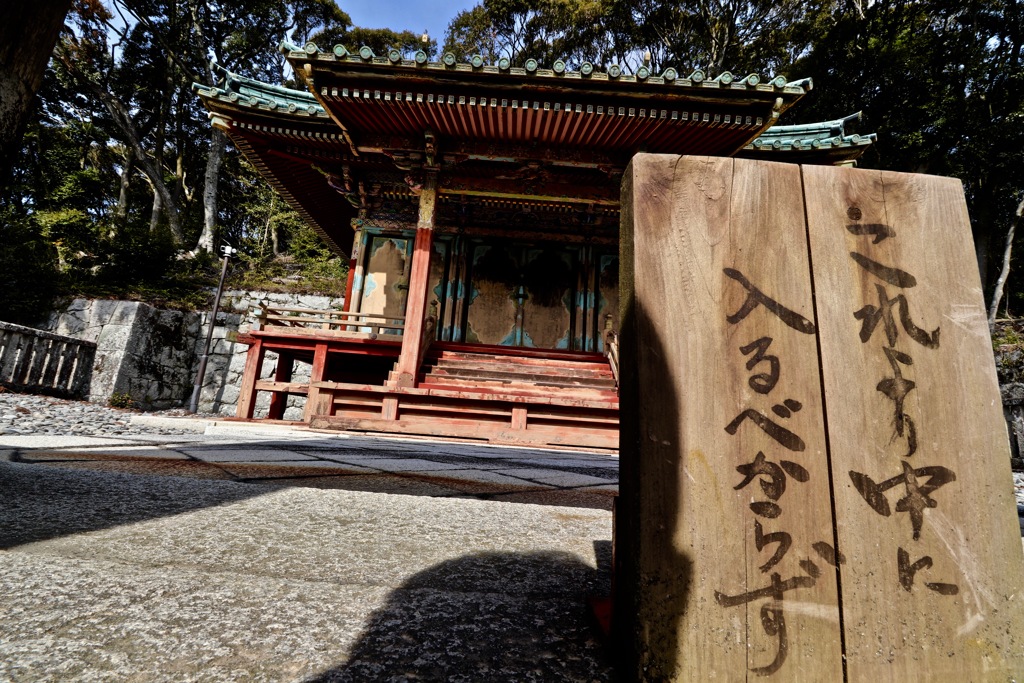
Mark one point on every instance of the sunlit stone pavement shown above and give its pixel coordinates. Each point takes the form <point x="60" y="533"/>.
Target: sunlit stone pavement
<point x="191" y="550"/>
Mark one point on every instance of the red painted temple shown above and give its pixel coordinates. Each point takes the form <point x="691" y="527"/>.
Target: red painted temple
<point x="479" y="207"/>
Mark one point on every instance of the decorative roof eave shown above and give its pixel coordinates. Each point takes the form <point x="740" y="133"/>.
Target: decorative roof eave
<point x="310" y="61"/>
<point x="245" y="94"/>
<point x="826" y="139"/>
<point x="267" y="107"/>
<point x="247" y="106"/>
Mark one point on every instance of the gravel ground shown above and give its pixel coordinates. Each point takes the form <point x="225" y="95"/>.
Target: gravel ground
<point x="32" y="414"/>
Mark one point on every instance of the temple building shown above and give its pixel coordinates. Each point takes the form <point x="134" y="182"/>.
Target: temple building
<point x="479" y="207"/>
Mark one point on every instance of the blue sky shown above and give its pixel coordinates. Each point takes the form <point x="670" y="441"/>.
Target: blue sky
<point x="405" y="14"/>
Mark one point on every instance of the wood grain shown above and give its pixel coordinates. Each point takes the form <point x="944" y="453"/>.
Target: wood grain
<point x="698" y="236"/>
<point x="962" y="618"/>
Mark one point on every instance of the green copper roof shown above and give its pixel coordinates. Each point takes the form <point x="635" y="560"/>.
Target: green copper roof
<point x="247" y="92"/>
<point x="558" y="71"/>
<point x="823" y="135"/>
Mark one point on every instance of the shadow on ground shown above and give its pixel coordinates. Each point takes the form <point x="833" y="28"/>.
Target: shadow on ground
<point x="321" y="468"/>
<point x="492" y="617"/>
<point x="42" y="502"/>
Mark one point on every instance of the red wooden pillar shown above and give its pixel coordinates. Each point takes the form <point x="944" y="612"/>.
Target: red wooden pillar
<point x="253" y="366"/>
<point x="416" y="306"/>
<point x="318" y="402"/>
<point x="353" y="266"/>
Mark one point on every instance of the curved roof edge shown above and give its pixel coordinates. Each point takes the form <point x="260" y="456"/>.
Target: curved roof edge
<point x="249" y="92"/>
<point x="242" y="91"/>
<point x="559" y="70"/>
<point x="822" y="135"/>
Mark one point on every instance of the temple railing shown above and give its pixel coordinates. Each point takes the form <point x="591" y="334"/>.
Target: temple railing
<point x="46" y="363"/>
<point x="269" y="318"/>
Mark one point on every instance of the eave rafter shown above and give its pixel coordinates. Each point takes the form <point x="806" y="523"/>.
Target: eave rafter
<point x="617" y="114"/>
<point x="504" y="141"/>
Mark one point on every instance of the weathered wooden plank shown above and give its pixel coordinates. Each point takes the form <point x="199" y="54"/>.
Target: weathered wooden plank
<point x="494" y="392"/>
<point x="932" y="588"/>
<point x="407" y="366"/>
<point x="725" y="522"/>
<point x="282" y="375"/>
<point x="297" y="388"/>
<point x="471" y="429"/>
<point x="67" y="366"/>
<point x="519" y="418"/>
<point x="83" y="371"/>
<point x="389" y="408"/>
<point x="24" y="364"/>
<point x="42" y="352"/>
<point x="344" y="335"/>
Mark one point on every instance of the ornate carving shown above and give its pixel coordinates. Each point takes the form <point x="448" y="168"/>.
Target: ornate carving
<point x="430" y="149"/>
<point x="404" y="160"/>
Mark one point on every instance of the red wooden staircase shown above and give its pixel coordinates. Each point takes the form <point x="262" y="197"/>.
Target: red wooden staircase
<point x="500" y="394"/>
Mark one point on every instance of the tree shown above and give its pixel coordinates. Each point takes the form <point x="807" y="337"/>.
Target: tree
<point x="519" y="30"/>
<point x="27" y="37"/>
<point x="382" y="40"/>
<point x="942" y="83"/>
<point x="709" y="34"/>
<point x="170" y="44"/>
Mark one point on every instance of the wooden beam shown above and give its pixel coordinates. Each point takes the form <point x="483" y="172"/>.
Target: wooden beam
<point x="282" y="375"/>
<point x="476" y="430"/>
<point x="353" y="264"/>
<point x="359" y="278"/>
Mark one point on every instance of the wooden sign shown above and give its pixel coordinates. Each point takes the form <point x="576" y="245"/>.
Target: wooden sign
<point x="815" y="477"/>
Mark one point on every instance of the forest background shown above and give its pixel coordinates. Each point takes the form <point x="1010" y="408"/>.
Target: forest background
<point x="117" y="186"/>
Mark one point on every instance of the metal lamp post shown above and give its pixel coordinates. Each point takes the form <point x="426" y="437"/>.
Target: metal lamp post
<point x="193" y="404"/>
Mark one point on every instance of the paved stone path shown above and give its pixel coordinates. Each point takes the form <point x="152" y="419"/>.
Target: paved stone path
<point x="155" y="548"/>
<point x="147" y="548"/>
<point x="48" y="431"/>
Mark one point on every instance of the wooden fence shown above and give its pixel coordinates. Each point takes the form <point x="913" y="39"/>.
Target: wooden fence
<point x="329" y="321"/>
<point x="46" y="363"/>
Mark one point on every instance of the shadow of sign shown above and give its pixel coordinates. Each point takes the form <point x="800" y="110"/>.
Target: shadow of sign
<point x="487" y="617"/>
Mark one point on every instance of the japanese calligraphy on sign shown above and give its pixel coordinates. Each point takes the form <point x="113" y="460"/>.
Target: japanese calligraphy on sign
<point x="772" y="476"/>
<point x="803" y="495"/>
<point x="912" y="412"/>
<point x="917" y="496"/>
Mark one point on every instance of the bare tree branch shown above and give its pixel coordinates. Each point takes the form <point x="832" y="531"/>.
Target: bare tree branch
<point x="997" y="295"/>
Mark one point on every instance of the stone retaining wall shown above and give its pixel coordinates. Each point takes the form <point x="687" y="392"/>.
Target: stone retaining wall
<point x="152" y="355"/>
<point x="227" y="358"/>
<point x="141" y="351"/>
